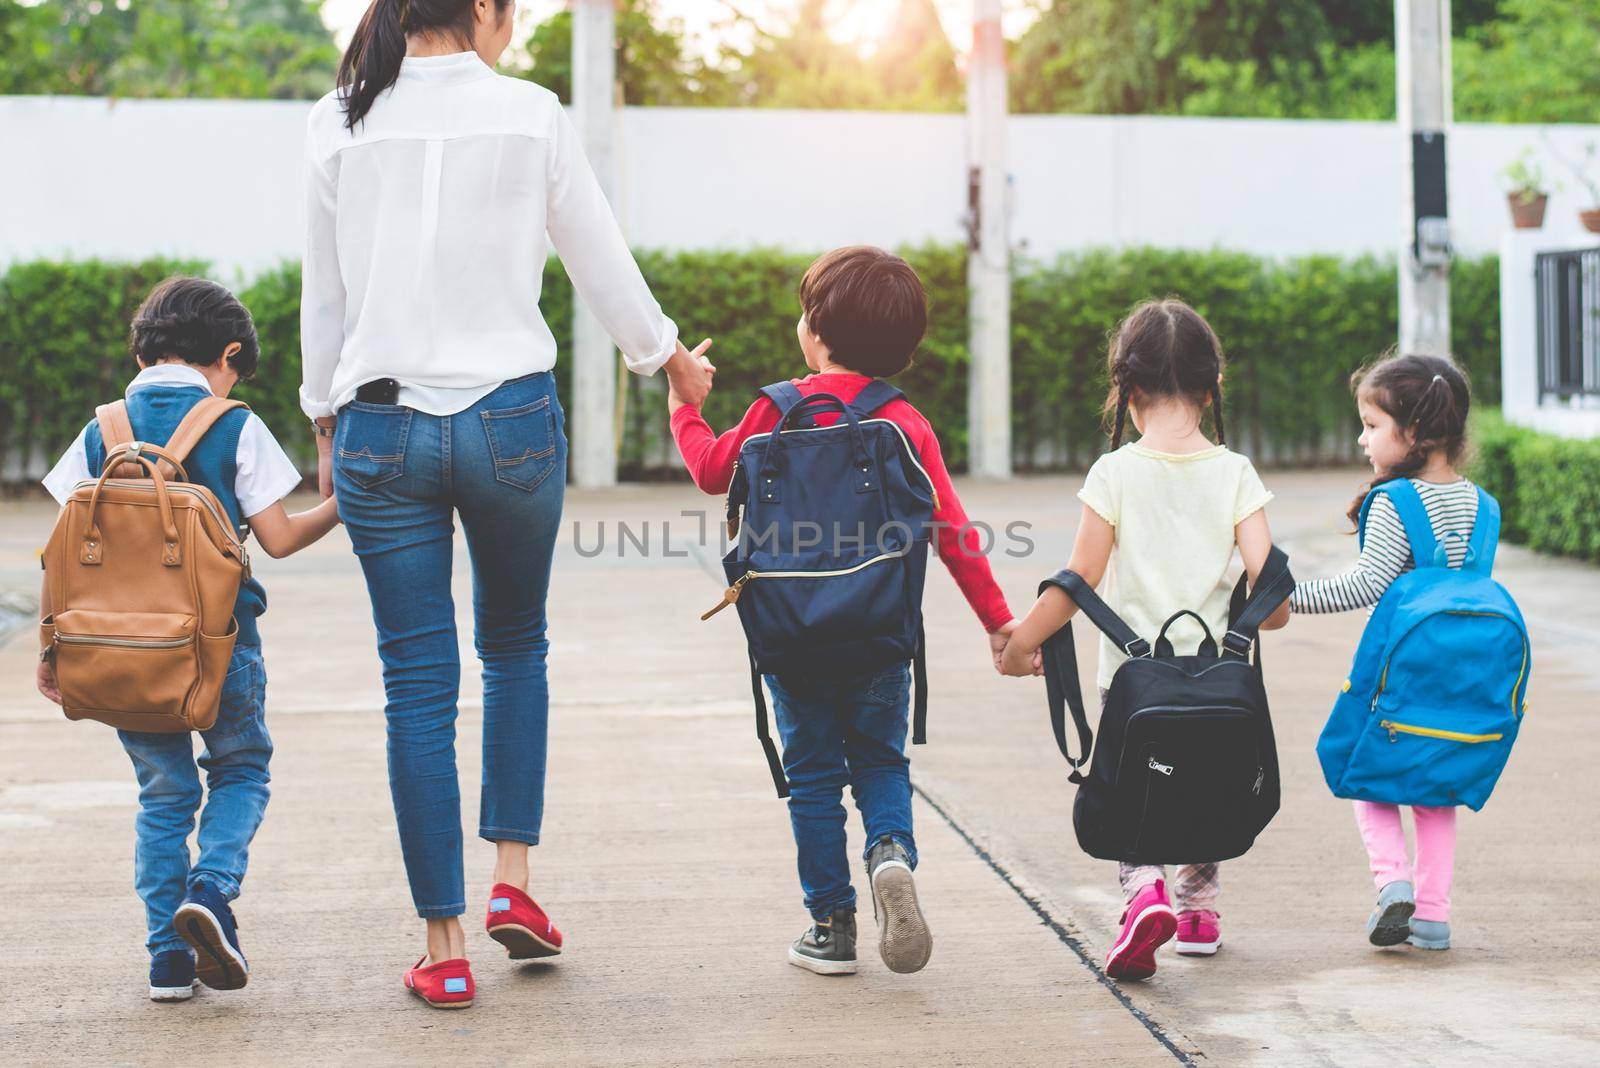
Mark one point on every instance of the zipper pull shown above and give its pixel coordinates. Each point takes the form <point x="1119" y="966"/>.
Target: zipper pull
<point x="1386" y="725"/>
<point x="729" y="596"/>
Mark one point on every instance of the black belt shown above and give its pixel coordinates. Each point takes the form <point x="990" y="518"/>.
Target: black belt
<point x="380" y="391"/>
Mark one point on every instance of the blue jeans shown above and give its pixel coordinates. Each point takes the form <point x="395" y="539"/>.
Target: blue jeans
<point x="237" y="750"/>
<point x="401" y="476"/>
<point x="837" y="732"/>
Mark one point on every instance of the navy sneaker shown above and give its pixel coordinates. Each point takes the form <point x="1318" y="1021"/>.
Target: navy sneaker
<point x="172" y="975"/>
<point x="205" y="921"/>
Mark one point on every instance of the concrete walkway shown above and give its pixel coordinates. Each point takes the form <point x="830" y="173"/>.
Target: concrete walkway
<point x="669" y="864"/>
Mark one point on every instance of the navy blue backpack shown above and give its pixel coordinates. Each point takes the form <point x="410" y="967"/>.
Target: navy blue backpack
<point x="1440" y="681"/>
<point x="833" y="525"/>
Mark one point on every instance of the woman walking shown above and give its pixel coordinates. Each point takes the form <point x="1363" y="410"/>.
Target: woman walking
<point x="431" y="184"/>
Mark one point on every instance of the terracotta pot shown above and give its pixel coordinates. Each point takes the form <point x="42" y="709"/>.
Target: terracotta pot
<point x="1527" y="214"/>
<point x="1590" y="220"/>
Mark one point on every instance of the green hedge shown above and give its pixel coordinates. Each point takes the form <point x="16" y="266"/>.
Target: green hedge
<point x="1293" y="330"/>
<point x="1548" y="487"/>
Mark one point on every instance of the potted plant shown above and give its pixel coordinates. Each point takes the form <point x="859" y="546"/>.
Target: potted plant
<point x="1588" y="175"/>
<point x="1526" y="191"/>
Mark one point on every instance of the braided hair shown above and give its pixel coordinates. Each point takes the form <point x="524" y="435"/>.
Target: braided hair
<point x="1164" y="348"/>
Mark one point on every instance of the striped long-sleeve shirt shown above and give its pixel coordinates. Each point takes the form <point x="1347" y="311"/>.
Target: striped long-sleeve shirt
<point x="1386" y="552"/>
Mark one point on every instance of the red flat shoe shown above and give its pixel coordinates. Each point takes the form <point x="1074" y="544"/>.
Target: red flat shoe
<point x="446" y="985"/>
<point x="519" y="924"/>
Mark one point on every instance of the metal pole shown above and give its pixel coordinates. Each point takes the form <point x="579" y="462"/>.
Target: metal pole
<point x="1422" y="97"/>
<point x="989" y="245"/>
<point x="594" y="384"/>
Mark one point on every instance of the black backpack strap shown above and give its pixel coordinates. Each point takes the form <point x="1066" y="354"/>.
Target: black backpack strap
<point x="1273" y="586"/>
<point x="1063" y="691"/>
<point x="785" y="395"/>
<point x="774" y="764"/>
<point x="874" y="396"/>
<point x="1099" y="613"/>
<point x="1060" y="657"/>
<point x="919" y="679"/>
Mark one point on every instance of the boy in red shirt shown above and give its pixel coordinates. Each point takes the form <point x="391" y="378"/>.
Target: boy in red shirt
<point x="863" y="313"/>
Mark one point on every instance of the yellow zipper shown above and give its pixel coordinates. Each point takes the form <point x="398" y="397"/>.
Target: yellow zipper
<point x="731" y="594"/>
<point x="1433" y="732"/>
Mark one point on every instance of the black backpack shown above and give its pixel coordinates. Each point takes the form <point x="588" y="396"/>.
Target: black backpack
<point x="1186" y="769"/>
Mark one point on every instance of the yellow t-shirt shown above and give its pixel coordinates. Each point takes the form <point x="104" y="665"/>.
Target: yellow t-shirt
<point x="1174" y="517"/>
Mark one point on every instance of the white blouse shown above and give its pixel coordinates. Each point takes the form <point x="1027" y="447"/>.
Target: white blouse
<point x="425" y="241"/>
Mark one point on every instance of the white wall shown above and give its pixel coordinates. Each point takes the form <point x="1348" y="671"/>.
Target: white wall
<point x="221" y="180"/>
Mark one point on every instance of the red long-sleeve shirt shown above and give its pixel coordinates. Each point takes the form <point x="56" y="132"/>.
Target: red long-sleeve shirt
<point x="710" y="458"/>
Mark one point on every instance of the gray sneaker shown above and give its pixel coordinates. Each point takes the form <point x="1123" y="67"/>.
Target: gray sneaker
<point x="1390" y="922"/>
<point x="829" y="946"/>
<point x="1429" y="934"/>
<point x="904" y="941"/>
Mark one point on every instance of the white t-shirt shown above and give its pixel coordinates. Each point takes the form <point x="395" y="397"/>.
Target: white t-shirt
<point x="264" y="475"/>
<point x="426" y="241"/>
<point x="1174" y="517"/>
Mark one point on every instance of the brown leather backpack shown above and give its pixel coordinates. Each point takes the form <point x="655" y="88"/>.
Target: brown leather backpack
<point x="141" y="576"/>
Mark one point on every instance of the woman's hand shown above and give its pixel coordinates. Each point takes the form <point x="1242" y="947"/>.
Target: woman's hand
<point x="325" y="459"/>
<point x="689" y="376"/>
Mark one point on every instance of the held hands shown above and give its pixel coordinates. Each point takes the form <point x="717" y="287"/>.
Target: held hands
<point x="689" y="376"/>
<point x="1008" y="656"/>
<point x="45" y="678"/>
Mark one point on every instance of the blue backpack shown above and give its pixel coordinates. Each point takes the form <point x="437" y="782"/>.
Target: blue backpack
<point x="1440" y="680"/>
<point x="833" y="545"/>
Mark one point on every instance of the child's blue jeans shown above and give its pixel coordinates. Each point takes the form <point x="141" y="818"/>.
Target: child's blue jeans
<point x="237" y="750"/>
<point x="839" y="732"/>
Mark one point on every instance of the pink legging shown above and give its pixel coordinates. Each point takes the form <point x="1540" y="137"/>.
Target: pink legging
<point x="1385" y="840"/>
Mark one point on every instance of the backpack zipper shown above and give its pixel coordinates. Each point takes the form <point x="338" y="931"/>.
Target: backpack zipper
<point x="731" y="594"/>
<point x="123" y="643"/>
<point x="1434" y="732"/>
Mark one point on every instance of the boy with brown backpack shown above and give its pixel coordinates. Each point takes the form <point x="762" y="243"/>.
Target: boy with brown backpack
<point x="148" y="612"/>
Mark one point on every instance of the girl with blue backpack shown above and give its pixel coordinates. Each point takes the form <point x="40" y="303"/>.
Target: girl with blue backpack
<point x="1439" y="684"/>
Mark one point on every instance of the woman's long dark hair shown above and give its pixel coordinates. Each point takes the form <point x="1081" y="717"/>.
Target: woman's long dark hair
<point x="372" y="62"/>
<point x="1427" y="397"/>
<point x="1164" y="348"/>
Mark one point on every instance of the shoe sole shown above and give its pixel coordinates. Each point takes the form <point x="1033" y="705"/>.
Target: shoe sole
<point x="1197" y="949"/>
<point x="173" y="993"/>
<point x="821" y="967"/>
<point x="439" y="1004"/>
<point x="904" y="941"/>
<point x="216" y="964"/>
<point x="1134" y="957"/>
<point x="1428" y="943"/>
<point x="1393" y="925"/>
<point x="521" y="943"/>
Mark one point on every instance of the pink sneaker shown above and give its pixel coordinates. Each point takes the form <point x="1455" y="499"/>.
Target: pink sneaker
<point x="1147" y="924"/>
<point x="1198" y="933"/>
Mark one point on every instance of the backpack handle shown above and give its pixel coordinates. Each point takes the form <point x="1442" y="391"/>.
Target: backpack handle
<point x="1441" y="552"/>
<point x="804" y="410"/>
<point x="92" y="551"/>
<point x="1208" y="646"/>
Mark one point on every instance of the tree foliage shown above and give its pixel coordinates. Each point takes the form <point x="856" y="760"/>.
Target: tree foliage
<point x="274" y="49"/>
